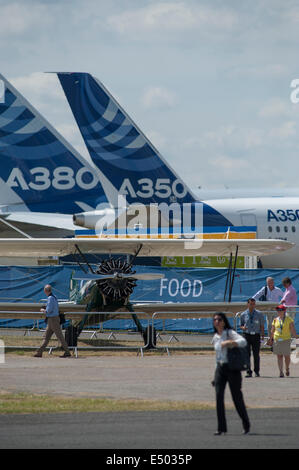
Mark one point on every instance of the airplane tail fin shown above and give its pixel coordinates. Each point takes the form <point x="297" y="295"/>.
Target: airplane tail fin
<point x="118" y="147"/>
<point x="39" y="170"/>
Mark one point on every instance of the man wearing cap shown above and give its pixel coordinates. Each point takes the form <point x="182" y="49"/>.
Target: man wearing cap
<point x="252" y="324"/>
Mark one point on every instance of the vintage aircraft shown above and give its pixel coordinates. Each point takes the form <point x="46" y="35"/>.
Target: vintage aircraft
<point x="110" y="285"/>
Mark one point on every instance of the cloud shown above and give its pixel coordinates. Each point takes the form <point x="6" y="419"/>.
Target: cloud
<point x="259" y="70"/>
<point x="227" y="163"/>
<point x="171" y="17"/>
<point x="71" y="134"/>
<point x="38" y="86"/>
<point x="230" y="137"/>
<point x="158" y="98"/>
<point x="286" y="130"/>
<point x="17" y="18"/>
<point x="275" y="107"/>
<point x="292" y="15"/>
<point x="158" y="140"/>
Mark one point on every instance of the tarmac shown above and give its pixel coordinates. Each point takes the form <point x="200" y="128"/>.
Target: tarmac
<point x="178" y="377"/>
<point x="272" y="403"/>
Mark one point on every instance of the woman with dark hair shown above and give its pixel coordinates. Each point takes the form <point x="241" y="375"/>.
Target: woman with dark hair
<point x="225" y="337"/>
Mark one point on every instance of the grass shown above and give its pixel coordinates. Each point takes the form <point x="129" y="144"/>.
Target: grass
<point x="35" y="341"/>
<point x="120" y="346"/>
<point x="26" y="403"/>
<point x="114" y="346"/>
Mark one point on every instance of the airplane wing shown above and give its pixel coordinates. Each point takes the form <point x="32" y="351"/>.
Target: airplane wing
<point x="22" y="310"/>
<point x="62" y="221"/>
<point x="36" y="247"/>
<point x="201" y="309"/>
<point x="31" y="310"/>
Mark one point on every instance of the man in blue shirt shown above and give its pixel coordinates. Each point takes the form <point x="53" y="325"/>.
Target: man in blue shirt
<point x="252" y="324"/>
<point x="53" y="323"/>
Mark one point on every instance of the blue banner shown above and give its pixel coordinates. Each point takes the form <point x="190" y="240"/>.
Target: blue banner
<point x="23" y="283"/>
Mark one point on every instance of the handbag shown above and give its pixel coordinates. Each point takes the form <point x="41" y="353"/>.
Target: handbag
<point x="263" y="297"/>
<point x="62" y="319"/>
<point x="238" y="358"/>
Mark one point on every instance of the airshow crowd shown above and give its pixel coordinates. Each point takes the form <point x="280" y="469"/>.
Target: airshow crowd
<point x="281" y="330"/>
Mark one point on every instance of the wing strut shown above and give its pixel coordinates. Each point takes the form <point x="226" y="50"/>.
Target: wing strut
<point x="85" y="260"/>
<point x="14" y="228"/>
<point x="136" y="254"/>
<point x="230" y="277"/>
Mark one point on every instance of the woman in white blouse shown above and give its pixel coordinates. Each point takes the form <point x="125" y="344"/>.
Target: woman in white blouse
<point x="225" y="337"/>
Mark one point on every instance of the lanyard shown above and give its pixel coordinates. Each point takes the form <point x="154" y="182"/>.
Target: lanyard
<point x="251" y="315"/>
<point x="281" y="323"/>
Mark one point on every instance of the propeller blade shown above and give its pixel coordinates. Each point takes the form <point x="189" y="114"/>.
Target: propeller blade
<point x="138" y="277"/>
<point x="89" y="277"/>
<point x="147" y="276"/>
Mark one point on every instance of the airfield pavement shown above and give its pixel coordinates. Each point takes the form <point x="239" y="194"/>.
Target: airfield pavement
<point x="273" y="403"/>
<point x="176" y="377"/>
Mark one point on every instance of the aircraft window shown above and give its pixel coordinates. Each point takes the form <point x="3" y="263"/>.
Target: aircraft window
<point x="293" y="229"/>
<point x="269" y="229"/>
<point x="285" y="228"/>
<point x="277" y="229"/>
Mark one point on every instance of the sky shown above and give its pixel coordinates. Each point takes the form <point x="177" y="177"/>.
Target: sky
<point x="208" y="82"/>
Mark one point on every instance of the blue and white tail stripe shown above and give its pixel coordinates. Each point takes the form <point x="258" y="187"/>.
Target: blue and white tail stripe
<point x="39" y="170"/>
<point x="118" y="147"/>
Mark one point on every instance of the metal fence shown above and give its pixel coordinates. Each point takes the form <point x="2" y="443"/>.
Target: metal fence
<point x="149" y="340"/>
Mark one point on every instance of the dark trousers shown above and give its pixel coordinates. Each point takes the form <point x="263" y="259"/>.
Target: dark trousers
<point x="254" y="344"/>
<point x="234" y="379"/>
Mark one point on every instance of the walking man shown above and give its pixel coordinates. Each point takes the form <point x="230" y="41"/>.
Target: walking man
<point x="53" y="326"/>
<point x="252" y="324"/>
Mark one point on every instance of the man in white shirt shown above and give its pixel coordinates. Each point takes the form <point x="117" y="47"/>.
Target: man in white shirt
<point x="271" y="293"/>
